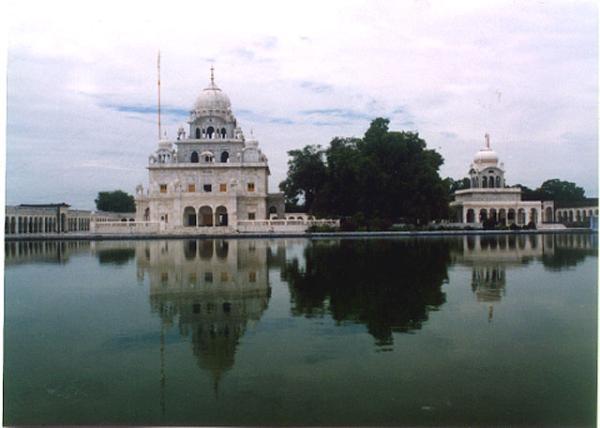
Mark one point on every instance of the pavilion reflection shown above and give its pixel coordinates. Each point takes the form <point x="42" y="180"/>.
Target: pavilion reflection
<point x="491" y="256"/>
<point x="211" y="289"/>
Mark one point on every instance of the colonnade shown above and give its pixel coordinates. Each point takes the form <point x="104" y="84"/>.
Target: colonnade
<point x="36" y="224"/>
<point x="572" y="215"/>
<point x="205" y="216"/>
<point x="507" y="216"/>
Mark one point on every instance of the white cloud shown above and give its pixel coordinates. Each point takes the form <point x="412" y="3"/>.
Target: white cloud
<point x="524" y="72"/>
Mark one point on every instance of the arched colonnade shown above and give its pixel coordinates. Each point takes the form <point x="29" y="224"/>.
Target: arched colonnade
<point x="205" y="216"/>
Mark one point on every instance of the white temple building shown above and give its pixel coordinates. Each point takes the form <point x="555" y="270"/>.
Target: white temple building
<point x="489" y="197"/>
<point x="212" y="176"/>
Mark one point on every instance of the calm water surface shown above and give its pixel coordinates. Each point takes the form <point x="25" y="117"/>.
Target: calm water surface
<point x="466" y="330"/>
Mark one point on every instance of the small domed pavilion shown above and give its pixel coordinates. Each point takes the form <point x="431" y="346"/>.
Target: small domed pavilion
<point x="489" y="197"/>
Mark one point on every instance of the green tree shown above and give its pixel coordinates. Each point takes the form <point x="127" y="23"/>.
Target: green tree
<point x="454" y="185"/>
<point x="115" y="201"/>
<point x="558" y="190"/>
<point x="553" y="190"/>
<point x="383" y="177"/>
<point x="306" y="175"/>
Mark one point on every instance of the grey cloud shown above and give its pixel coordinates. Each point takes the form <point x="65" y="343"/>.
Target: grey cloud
<point x="450" y="135"/>
<point x="316" y="87"/>
<point x="338" y="113"/>
<point x="262" y="118"/>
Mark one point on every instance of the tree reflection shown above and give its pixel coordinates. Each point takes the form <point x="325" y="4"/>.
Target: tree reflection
<point x="116" y="256"/>
<point x="388" y="285"/>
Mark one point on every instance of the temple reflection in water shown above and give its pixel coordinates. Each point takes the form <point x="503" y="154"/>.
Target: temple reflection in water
<point x="212" y="290"/>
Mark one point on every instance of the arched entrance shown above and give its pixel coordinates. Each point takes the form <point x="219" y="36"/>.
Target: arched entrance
<point x="224" y="157"/>
<point x="482" y="215"/>
<point x="147" y="214"/>
<point x="533" y="216"/>
<point x="549" y="218"/>
<point x="189" y="217"/>
<point x="221" y="216"/>
<point x="205" y="216"/>
<point x="194" y="158"/>
<point x="502" y="216"/>
<point x="511" y="216"/>
<point x="209" y="132"/>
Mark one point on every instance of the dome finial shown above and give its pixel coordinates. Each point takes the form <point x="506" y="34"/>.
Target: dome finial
<point x="487" y="140"/>
<point x="212" y="75"/>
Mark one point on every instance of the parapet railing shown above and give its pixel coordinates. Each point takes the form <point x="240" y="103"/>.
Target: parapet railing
<point x="125" y="226"/>
<point x="285" y="222"/>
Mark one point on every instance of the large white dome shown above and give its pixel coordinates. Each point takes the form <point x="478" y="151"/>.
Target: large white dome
<point x="212" y="99"/>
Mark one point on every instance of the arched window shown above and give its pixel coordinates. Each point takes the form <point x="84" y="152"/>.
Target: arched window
<point x="470" y="216"/>
<point x="223" y="132"/>
<point x="483" y="215"/>
<point x="491" y="182"/>
<point x="484" y="182"/>
<point x="198" y="133"/>
<point x="210" y="131"/>
<point x="498" y="184"/>
<point x="194" y="158"/>
<point x="224" y="157"/>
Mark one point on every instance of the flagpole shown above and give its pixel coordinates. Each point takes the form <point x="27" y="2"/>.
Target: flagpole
<point x="158" y="72"/>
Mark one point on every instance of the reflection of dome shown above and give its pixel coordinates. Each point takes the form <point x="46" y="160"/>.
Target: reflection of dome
<point x="212" y="99"/>
<point x="486" y="157"/>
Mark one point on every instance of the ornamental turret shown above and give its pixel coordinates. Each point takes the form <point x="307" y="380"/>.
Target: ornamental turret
<point x="485" y="172"/>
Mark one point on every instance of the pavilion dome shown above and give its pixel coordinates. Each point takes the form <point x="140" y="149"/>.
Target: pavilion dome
<point x="487" y="157"/>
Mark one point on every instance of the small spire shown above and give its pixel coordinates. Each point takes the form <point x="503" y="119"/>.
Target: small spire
<point x="212" y="75"/>
<point x="487" y="140"/>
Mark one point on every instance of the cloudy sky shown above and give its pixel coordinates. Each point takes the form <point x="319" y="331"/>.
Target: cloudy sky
<point x="81" y="83"/>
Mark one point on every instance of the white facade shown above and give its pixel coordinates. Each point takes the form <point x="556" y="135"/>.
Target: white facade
<point x="488" y="196"/>
<point x="211" y="176"/>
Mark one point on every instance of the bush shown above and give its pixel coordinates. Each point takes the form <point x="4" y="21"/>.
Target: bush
<point x="514" y="226"/>
<point x="378" y="224"/>
<point x="319" y="228"/>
